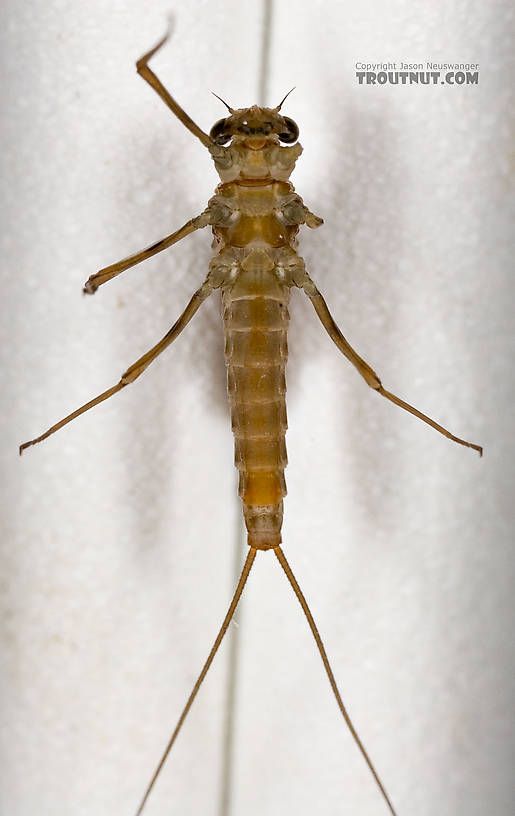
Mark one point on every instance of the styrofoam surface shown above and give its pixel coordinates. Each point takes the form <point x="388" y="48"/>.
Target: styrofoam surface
<point x="118" y="534"/>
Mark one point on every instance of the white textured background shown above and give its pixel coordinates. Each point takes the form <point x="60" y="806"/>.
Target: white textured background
<point x="118" y="534"/>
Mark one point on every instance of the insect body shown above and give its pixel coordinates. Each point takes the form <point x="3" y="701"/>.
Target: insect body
<point x="255" y="216"/>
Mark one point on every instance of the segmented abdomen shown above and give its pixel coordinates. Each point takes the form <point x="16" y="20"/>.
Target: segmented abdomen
<point x="256" y="321"/>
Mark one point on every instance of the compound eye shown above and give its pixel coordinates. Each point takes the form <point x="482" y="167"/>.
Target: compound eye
<point x="292" y="132"/>
<point x="219" y="133"/>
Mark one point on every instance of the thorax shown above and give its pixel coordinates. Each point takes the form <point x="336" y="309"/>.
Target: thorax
<point x="256" y="213"/>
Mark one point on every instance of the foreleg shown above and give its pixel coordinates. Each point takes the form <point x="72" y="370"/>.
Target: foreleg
<point x="149" y="76"/>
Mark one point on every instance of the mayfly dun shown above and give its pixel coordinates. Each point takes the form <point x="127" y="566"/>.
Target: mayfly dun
<point x="255" y="215"/>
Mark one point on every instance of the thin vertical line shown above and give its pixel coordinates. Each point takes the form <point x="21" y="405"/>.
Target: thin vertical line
<point x="231" y="681"/>
<point x="266" y="38"/>
<point x="226" y="787"/>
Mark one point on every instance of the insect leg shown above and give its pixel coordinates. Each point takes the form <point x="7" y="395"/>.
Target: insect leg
<point x="104" y="275"/>
<point x="312" y="625"/>
<point x="364" y="369"/>
<point x="149" y="76"/>
<point x="230" y="612"/>
<point x="136" y="368"/>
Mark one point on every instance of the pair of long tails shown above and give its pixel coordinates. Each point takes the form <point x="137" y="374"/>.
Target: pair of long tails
<point x="312" y="625"/>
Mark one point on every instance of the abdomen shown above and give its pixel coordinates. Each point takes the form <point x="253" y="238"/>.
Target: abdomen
<point x="256" y="321"/>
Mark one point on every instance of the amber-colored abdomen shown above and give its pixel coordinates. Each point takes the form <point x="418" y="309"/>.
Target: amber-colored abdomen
<point x="256" y="353"/>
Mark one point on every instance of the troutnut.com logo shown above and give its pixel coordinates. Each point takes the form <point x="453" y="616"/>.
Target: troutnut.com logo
<point x="417" y="73"/>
